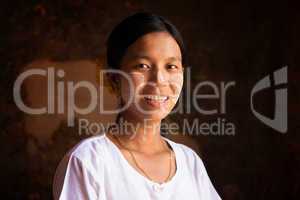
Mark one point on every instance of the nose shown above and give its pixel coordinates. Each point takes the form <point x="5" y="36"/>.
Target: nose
<point x="160" y="77"/>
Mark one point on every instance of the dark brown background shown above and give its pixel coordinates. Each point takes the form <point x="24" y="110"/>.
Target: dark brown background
<point x="231" y="40"/>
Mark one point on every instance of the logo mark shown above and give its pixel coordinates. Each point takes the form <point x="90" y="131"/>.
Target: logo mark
<point x="279" y="122"/>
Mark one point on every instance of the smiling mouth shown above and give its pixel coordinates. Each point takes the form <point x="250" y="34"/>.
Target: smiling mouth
<point x="159" y="98"/>
<point x="156" y="100"/>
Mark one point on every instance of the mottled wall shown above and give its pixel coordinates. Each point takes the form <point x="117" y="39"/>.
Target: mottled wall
<point x="239" y="41"/>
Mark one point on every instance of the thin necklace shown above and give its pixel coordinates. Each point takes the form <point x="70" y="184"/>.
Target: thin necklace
<point x="139" y="167"/>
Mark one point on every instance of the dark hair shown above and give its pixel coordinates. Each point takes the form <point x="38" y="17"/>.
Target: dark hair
<point x="134" y="27"/>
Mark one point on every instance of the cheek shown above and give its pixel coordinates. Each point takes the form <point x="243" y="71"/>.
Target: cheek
<point x="176" y="84"/>
<point x="176" y="96"/>
<point x="132" y="86"/>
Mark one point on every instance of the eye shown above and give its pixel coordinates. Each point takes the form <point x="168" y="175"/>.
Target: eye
<point x="143" y="66"/>
<point x="172" y="67"/>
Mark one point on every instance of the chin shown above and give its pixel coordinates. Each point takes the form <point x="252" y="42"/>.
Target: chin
<point x="149" y="113"/>
<point x="155" y="117"/>
<point x="154" y="114"/>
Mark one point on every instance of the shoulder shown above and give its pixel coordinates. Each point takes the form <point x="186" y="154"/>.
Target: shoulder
<point x="93" y="146"/>
<point x="186" y="150"/>
<point x="82" y="164"/>
<point x="188" y="156"/>
<point x="88" y="152"/>
<point x="194" y="165"/>
<point x="86" y="155"/>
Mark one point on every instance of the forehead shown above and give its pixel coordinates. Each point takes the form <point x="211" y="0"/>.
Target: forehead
<point x="154" y="45"/>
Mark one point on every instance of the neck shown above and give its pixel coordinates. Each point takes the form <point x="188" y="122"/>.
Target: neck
<point x="140" y="135"/>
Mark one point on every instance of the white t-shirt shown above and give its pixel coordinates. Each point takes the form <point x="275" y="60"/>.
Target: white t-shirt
<point x="95" y="169"/>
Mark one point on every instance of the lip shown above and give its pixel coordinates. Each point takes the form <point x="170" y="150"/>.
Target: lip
<point x="156" y="101"/>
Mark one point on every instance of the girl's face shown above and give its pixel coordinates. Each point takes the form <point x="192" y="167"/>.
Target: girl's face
<point x="154" y="68"/>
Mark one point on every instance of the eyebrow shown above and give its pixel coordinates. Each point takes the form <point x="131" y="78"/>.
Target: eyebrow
<point x="174" y="58"/>
<point x="141" y="56"/>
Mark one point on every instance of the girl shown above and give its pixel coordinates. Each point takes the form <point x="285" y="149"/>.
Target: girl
<point x="137" y="162"/>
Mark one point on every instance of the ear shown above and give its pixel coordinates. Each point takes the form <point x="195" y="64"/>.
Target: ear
<point x="114" y="82"/>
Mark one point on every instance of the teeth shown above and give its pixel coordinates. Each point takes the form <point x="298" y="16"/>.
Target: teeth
<point x="156" y="97"/>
